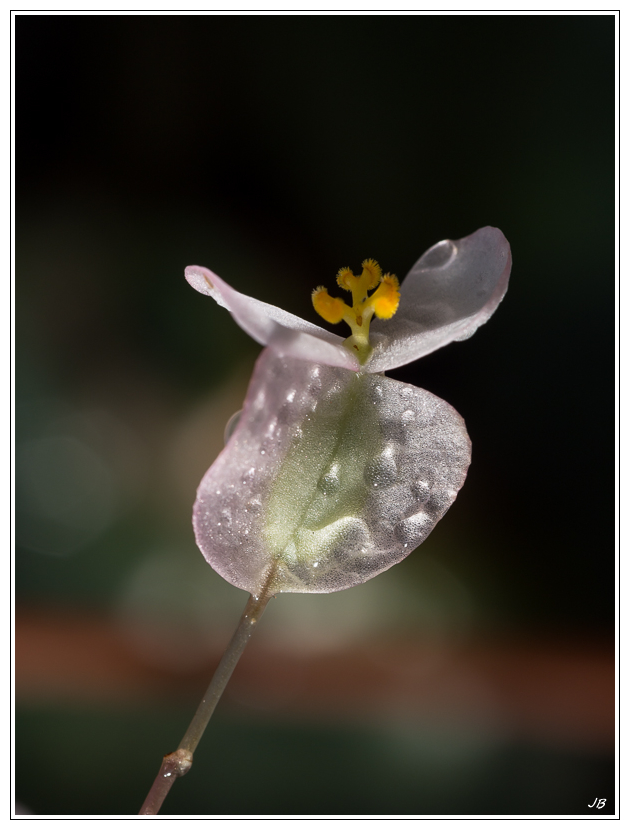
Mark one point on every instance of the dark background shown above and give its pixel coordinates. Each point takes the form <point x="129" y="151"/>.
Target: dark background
<point x="274" y="150"/>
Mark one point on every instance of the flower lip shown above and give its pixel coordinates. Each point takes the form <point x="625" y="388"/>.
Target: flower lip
<point x="329" y="478"/>
<point x="450" y="291"/>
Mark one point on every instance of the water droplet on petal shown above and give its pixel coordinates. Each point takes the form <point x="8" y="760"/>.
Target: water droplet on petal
<point x="329" y="483"/>
<point x="381" y="472"/>
<point x="439" y="255"/>
<point x="421" y="491"/>
<point x="248" y="476"/>
<point x="231" y="426"/>
<point x="377" y="394"/>
<point x="254" y="505"/>
<point x="415" y="529"/>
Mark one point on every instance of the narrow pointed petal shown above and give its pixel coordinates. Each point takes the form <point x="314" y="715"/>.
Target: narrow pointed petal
<point x="272" y="326"/>
<point x="452" y="289"/>
<point x="329" y="478"/>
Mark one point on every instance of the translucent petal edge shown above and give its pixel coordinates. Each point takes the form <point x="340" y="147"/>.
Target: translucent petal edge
<point x="272" y="326"/>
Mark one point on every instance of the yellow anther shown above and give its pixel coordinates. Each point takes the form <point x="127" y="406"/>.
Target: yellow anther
<point x="382" y="303"/>
<point x="346" y="279"/>
<point x="385" y="299"/>
<point x="371" y="273"/>
<point x="332" y="309"/>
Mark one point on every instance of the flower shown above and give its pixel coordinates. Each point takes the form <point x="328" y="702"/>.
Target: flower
<point x="334" y="472"/>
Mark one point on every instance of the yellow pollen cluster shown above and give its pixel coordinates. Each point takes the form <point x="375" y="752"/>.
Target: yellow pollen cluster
<point x="382" y="303"/>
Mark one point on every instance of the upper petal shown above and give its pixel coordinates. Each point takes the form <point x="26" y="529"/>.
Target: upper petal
<point x="272" y="326"/>
<point x="452" y="289"/>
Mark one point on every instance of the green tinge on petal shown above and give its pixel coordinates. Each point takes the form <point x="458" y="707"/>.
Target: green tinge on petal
<point x="315" y="504"/>
<point x="329" y="478"/>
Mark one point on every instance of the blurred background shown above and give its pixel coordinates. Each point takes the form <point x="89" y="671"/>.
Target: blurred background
<point x="477" y="676"/>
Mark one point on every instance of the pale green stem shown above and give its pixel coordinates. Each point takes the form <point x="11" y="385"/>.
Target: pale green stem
<point x="178" y="763"/>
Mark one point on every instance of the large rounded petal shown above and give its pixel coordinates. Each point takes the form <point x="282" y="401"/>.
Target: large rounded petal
<point x="330" y="477"/>
<point x="452" y="289"/>
<point x="272" y="326"/>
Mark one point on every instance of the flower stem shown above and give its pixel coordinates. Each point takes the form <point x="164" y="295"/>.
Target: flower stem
<point x="178" y="763"/>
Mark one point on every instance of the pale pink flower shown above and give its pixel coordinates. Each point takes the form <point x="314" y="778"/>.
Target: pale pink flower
<point x="335" y="472"/>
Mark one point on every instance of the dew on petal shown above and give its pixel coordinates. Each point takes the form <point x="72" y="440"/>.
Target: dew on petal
<point x="440" y="255"/>
<point x="439" y="502"/>
<point x="381" y="472"/>
<point x="329" y="483"/>
<point x="421" y="490"/>
<point x="341" y="487"/>
<point x="231" y="425"/>
<point x="413" y="531"/>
